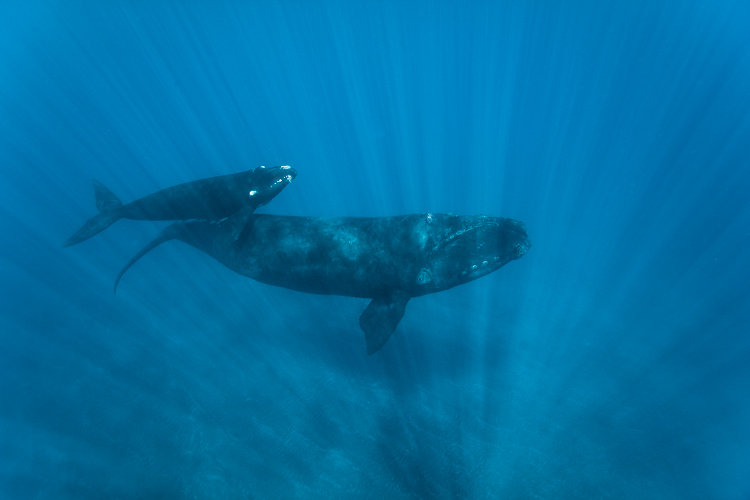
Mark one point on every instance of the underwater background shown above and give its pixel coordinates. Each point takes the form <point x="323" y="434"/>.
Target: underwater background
<point x="611" y="361"/>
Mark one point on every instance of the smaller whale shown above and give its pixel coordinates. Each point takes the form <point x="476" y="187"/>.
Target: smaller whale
<point x="207" y="199"/>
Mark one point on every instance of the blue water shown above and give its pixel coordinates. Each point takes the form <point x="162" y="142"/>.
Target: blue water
<point x="612" y="361"/>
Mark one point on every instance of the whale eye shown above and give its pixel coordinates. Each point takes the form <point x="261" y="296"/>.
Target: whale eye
<point x="424" y="277"/>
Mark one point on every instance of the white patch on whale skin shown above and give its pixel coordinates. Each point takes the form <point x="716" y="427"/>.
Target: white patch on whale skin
<point x="424" y="276"/>
<point x="287" y="178"/>
<point x="348" y="242"/>
<point x="422" y="231"/>
<point x="253" y="192"/>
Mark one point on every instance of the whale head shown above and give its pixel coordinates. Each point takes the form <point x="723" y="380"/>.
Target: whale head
<point x="465" y="248"/>
<point x="266" y="182"/>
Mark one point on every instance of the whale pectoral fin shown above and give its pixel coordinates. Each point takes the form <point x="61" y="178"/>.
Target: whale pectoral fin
<point x="242" y="236"/>
<point x="380" y="319"/>
<point x="242" y="223"/>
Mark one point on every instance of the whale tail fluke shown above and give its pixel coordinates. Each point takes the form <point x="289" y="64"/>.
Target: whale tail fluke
<point x="168" y="233"/>
<point x="109" y="212"/>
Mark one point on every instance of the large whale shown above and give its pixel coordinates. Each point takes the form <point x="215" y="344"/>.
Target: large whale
<point x="211" y="198"/>
<point x="386" y="259"/>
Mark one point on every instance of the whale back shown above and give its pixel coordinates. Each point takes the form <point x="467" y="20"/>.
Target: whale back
<point x="354" y="256"/>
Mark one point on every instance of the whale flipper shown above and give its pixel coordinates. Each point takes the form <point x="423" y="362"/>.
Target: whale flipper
<point x="109" y="207"/>
<point x="242" y="225"/>
<point x="380" y="319"/>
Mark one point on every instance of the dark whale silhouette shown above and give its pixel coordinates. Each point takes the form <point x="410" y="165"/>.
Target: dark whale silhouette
<point x="212" y="198"/>
<point x="387" y="259"/>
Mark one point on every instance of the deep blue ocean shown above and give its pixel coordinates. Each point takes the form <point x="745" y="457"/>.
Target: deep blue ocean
<point x="612" y="361"/>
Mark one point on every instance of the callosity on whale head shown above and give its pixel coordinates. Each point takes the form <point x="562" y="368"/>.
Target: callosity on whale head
<point x="267" y="182"/>
<point x="464" y="248"/>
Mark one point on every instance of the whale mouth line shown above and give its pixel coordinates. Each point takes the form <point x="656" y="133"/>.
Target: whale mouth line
<point x="268" y="179"/>
<point x="463" y="231"/>
<point x="481" y="268"/>
<point x="273" y="186"/>
<point x="281" y="181"/>
<point x="284" y="179"/>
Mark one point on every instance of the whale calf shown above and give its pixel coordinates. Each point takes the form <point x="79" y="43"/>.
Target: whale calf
<point x="386" y="259"/>
<point x="211" y="198"/>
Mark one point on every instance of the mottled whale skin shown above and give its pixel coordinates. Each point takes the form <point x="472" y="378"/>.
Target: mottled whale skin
<point x="209" y="199"/>
<point x="387" y="259"/>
